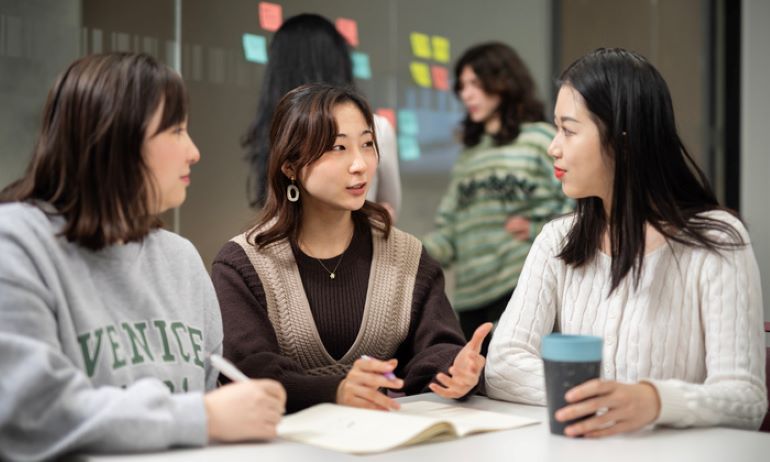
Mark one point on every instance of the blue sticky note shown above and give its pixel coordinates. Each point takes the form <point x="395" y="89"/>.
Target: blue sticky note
<point x="255" y="48"/>
<point x="407" y="122"/>
<point x="408" y="148"/>
<point x="361" y="68"/>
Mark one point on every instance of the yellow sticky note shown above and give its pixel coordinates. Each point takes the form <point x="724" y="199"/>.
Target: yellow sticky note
<point x="440" y="48"/>
<point x="420" y="74"/>
<point x="420" y="45"/>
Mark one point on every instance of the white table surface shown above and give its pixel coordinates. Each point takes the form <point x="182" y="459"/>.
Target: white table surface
<point x="532" y="443"/>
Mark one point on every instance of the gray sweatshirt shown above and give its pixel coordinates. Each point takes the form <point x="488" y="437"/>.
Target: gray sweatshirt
<point x="101" y="351"/>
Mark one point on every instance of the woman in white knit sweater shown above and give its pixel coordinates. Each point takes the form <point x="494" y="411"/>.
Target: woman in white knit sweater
<point x="649" y="261"/>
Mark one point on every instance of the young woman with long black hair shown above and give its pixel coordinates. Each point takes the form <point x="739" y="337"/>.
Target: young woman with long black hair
<point x="649" y="261"/>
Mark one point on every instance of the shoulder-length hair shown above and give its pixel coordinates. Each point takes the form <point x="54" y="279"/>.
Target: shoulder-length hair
<point x="307" y="48"/>
<point x="655" y="181"/>
<point x="501" y="72"/>
<point x="303" y="130"/>
<point x="87" y="161"/>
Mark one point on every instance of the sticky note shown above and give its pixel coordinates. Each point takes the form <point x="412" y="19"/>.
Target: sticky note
<point x="389" y="114"/>
<point x="361" y="68"/>
<point x="349" y="29"/>
<point x="420" y="74"/>
<point x="440" y="48"/>
<point x="407" y="122"/>
<point x="255" y="48"/>
<point x="440" y="75"/>
<point x="408" y="148"/>
<point x="270" y="16"/>
<point x="420" y="45"/>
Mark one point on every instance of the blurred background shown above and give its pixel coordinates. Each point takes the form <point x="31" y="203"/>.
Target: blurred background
<point x="713" y="54"/>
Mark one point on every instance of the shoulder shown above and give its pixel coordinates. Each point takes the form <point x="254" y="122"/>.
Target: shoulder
<point x="723" y="226"/>
<point x="232" y="254"/>
<point x="554" y="234"/>
<point x="20" y="217"/>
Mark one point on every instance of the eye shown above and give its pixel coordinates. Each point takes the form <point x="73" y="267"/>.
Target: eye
<point x="338" y="147"/>
<point x="369" y="144"/>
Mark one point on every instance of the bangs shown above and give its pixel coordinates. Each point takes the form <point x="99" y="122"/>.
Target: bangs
<point x="174" y="99"/>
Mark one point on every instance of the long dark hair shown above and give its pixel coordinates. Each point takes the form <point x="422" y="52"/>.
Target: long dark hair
<point x="655" y="181"/>
<point x="501" y="72"/>
<point x="87" y="162"/>
<point x="303" y="130"/>
<point x="306" y="49"/>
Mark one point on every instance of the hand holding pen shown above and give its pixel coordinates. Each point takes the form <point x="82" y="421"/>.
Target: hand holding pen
<point x="246" y="409"/>
<point x="361" y="386"/>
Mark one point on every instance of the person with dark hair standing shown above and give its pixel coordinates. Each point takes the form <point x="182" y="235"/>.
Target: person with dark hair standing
<point x="501" y="191"/>
<point x="106" y="320"/>
<point x="649" y="261"/>
<point x="307" y="48"/>
<point x="323" y="294"/>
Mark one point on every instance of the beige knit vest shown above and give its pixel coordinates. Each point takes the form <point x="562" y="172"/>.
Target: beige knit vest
<point x="387" y="309"/>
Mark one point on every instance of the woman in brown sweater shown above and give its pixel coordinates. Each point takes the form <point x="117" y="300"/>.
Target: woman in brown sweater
<point x="323" y="294"/>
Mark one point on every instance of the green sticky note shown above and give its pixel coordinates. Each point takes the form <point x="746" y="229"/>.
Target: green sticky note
<point x="407" y="122"/>
<point x="361" y="68"/>
<point x="255" y="48"/>
<point x="408" y="148"/>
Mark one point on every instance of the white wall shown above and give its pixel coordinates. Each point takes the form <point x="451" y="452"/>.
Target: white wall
<point x="755" y="149"/>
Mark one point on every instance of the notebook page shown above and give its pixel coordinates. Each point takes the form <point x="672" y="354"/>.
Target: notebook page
<point x="465" y="420"/>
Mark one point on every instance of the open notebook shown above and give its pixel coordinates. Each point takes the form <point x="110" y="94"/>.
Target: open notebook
<point x="363" y="431"/>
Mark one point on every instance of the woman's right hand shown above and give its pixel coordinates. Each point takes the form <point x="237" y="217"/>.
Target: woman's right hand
<point x="245" y="410"/>
<point x="360" y="388"/>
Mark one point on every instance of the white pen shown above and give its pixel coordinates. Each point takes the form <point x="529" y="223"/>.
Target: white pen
<point x="228" y="369"/>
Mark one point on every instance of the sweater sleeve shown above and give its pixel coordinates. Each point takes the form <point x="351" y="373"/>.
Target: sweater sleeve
<point x="388" y="179"/>
<point x="733" y="393"/>
<point x="514" y="370"/>
<point x="440" y="243"/>
<point x="434" y="337"/>
<point x="250" y="340"/>
<point x="49" y="407"/>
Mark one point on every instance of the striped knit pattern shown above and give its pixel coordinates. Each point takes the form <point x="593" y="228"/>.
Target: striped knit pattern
<point x="490" y="184"/>
<point x="693" y="327"/>
<point x="387" y="309"/>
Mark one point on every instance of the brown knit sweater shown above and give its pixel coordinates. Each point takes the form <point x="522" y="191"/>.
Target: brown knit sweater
<point x="434" y="337"/>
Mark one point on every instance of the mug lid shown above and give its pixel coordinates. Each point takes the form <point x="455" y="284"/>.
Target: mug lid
<point x="571" y="348"/>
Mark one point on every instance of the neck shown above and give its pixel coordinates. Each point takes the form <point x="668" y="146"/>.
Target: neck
<point x="492" y="125"/>
<point x="325" y="234"/>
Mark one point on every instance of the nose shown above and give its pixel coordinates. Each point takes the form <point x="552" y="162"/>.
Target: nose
<point x="554" y="149"/>
<point x="358" y="163"/>
<point x="195" y="155"/>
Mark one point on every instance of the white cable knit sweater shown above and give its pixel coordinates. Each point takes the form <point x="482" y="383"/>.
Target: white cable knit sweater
<point x="693" y="327"/>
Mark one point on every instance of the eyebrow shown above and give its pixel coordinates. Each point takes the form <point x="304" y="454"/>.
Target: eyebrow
<point x="342" y="135"/>
<point x="566" y="119"/>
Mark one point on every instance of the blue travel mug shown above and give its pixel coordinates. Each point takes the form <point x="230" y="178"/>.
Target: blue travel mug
<point x="569" y="360"/>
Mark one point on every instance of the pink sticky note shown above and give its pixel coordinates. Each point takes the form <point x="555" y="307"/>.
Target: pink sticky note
<point x="389" y="114"/>
<point x="440" y="76"/>
<point x="270" y="16"/>
<point x="349" y="29"/>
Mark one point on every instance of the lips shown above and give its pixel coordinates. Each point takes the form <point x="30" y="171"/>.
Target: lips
<point x="558" y="172"/>
<point x="357" y="189"/>
<point x="186" y="179"/>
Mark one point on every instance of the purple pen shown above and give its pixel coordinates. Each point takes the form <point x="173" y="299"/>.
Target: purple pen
<point x="388" y="375"/>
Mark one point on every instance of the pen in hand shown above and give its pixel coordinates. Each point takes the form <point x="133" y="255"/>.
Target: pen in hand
<point x="228" y="369"/>
<point x="388" y="375"/>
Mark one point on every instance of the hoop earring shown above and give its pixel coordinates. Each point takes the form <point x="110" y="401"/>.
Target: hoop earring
<point x="292" y="192"/>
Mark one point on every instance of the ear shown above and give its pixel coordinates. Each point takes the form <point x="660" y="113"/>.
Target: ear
<point x="288" y="170"/>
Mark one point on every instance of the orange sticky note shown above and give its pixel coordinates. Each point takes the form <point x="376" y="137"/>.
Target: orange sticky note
<point x="420" y="74"/>
<point x="270" y="16"/>
<point x="349" y="29"/>
<point x="420" y="45"/>
<point x="440" y="48"/>
<point x="389" y="114"/>
<point x="440" y="76"/>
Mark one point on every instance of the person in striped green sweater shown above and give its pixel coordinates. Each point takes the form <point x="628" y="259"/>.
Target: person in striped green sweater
<point x="502" y="188"/>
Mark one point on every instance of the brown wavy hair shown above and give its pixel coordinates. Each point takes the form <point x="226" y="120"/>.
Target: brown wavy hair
<point x="303" y="129"/>
<point x="501" y="72"/>
<point x="87" y="162"/>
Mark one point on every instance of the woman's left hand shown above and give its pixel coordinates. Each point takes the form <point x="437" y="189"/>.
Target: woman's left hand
<point x="466" y="368"/>
<point x="627" y="407"/>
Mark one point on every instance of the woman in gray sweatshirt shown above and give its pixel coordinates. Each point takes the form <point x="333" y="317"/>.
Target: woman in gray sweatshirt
<point x="106" y="319"/>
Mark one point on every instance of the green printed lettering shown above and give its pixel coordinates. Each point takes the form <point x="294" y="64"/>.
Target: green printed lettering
<point x="116" y="362"/>
<point x="167" y="356"/>
<point x="169" y="385"/>
<point x="175" y="326"/>
<point x="196" y="345"/>
<point x="88" y="358"/>
<point x="184" y="385"/>
<point x="134" y="337"/>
